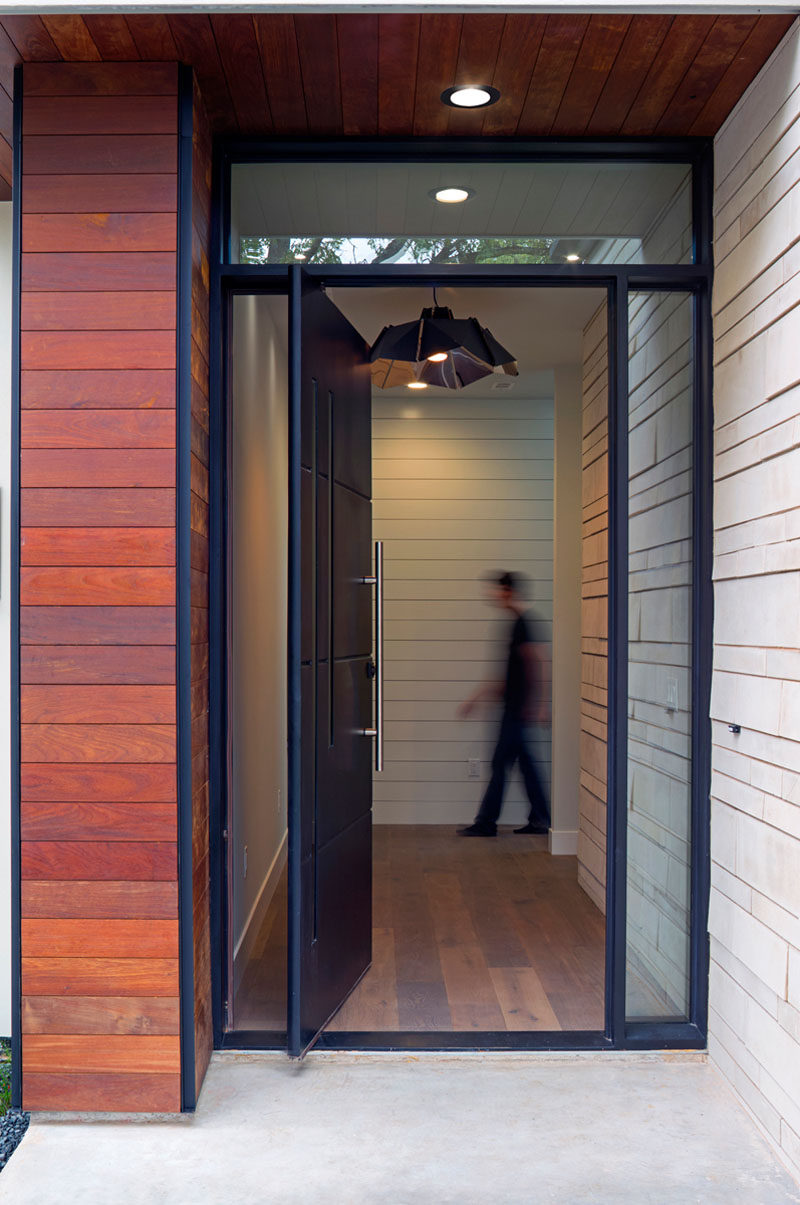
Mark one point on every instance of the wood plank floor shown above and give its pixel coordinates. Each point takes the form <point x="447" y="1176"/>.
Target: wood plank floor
<point x="467" y="935"/>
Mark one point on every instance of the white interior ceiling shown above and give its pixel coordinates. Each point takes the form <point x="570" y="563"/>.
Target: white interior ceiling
<point x="552" y="200"/>
<point x="542" y="327"/>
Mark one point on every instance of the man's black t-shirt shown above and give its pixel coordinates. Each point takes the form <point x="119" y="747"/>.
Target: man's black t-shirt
<point x="516" y="692"/>
<point x="519" y="692"/>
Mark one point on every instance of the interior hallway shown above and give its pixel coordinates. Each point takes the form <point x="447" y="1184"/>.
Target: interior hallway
<point x="467" y="935"/>
<point x="604" y="1129"/>
<point x="477" y="935"/>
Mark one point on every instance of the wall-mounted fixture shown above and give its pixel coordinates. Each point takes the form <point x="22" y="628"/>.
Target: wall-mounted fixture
<point x="437" y="349"/>
<point x="471" y="96"/>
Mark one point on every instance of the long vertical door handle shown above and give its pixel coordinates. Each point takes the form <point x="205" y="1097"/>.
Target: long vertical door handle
<point x="377" y="582"/>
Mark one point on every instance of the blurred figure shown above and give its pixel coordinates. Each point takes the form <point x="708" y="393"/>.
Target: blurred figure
<point x="522" y="695"/>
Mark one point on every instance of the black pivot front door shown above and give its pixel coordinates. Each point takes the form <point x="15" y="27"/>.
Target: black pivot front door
<point x="330" y="665"/>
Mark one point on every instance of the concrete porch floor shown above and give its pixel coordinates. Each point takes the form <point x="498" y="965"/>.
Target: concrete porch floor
<point x="650" y="1130"/>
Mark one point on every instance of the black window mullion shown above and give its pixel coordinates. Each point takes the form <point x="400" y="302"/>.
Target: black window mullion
<point x="702" y="653"/>
<point x="617" y="829"/>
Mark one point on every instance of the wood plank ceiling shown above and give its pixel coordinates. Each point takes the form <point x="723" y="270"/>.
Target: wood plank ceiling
<point x="327" y="75"/>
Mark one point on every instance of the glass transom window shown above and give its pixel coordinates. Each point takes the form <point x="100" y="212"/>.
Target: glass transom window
<point x="516" y="212"/>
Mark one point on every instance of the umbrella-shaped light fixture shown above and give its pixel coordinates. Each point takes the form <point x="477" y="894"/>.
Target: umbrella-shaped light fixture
<point x="438" y="349"/>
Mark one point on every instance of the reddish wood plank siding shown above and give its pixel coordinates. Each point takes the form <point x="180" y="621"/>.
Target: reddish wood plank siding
<point x="93" y="976"/>
<point x="127" y="1091"/>
<point x="134" y="1014"/>
<point x="75" y="780"/>
<point x="112" y="232"/>
<point x="131" y="270"/>
<point x="112" y="860"/>
<point x="94" y="389"/>
<point x="98" y="704"/>
<point x="60" y="80"/>
<point x="99" y="311"/>
<point x="99" y="812"/>
<point x="101" y="429"/>
<point x="72" y="821"/>
<point x="88" y="545"/>
<point x="93" y="193"/>
<point x="109" y="586"/>
<point x="124" y="899"/>
<point x="95" y="507"/>
<point x="114" y="467"/>
<point x="100" y="115"/>
<point x="101" y="939"/>
<point x="90" y="1053"/>
<point x="127" y="665"/>
<point x="102" y="153"/>
<point x="105" y="743"/>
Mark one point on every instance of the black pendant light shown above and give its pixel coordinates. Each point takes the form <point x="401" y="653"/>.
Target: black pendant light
<point x="437" y="349"/>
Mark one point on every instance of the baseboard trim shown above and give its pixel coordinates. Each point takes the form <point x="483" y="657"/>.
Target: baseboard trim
<point x="244" y="946"/>
<point x="563" y="842"/>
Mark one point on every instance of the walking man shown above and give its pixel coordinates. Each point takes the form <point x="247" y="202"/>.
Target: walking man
<point x="523" y="700"/>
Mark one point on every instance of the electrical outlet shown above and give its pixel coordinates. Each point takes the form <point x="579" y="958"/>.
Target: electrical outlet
<point x="473" y="767"/>
<point x="244" y="864"/>
<point x="672" y="694"/>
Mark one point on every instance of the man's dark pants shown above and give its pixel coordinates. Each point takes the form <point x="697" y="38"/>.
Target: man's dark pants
<point x="512" y="746"/>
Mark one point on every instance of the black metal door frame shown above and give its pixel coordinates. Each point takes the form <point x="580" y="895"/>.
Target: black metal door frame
<point x="618" y="281"/>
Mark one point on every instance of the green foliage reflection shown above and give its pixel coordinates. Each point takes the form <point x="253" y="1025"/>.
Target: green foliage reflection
<point x="401" y="249"/>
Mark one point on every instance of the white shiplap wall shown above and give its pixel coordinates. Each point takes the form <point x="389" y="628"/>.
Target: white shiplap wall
<point x="461" y="486"/>
<point x="754" y="1019"/>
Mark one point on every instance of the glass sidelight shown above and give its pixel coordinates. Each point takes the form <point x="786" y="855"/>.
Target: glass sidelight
<point x="660" y="585"/>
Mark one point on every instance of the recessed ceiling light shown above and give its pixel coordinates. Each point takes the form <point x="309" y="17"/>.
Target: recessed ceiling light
<point x="573" y="259"/>
<point x="417" y="385"/>
<point x="451" y="196"/>
<point x="438" y="357"/>
<point x="473" y="96"/>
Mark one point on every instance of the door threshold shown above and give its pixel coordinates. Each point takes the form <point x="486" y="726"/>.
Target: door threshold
<point x="413" y="1040"/>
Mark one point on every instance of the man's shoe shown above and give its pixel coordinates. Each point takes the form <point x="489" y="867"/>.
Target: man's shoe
<point x="540" y="830"/>
<point x="477" y="830"/>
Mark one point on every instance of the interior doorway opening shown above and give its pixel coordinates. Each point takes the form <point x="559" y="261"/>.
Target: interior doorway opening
<point x="469" y="937"/>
